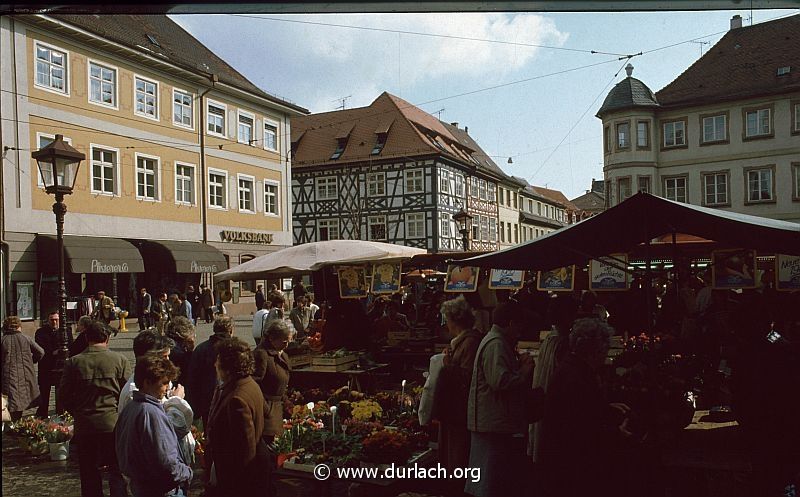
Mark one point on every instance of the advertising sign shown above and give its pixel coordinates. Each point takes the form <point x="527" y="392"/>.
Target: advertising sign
<point x="385" y="278"/>
<point x="733" y="268"/>
<point x="561" y="279"/>
<point x="506" y="279"/>
<point x="352" y="282"/>
<point x="787" y="272"/>
<point x="606" y="273"/>
<point x="461" y="278"/>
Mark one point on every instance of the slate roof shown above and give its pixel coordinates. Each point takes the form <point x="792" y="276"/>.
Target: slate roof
<point x="590" y="201"/>
<point x="628" y="93"/>
<point x="742" y="64"/>
<point x="160" y="36"/>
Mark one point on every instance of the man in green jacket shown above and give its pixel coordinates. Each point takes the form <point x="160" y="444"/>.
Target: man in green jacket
<point x="91" y="386"/>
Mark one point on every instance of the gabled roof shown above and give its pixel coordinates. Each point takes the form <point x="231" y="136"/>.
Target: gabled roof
<point x="555" y="196"/>
<point x="161" y="37"/>
<point x="628" y="93"/>
<point x="589" y="201"/>
<point x="742" y="64"/>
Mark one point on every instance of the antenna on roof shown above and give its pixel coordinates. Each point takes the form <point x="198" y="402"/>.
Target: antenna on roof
<point x="438" y="113"/>
<point x="701" y="43"/>
<point x="343" y="100"/>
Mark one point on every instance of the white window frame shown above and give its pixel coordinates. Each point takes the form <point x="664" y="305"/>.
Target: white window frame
<point x="415" y="219"/>
<point x="685" y="187"/>
<point x="328" y="180"/>
<point x="715" y="131"/>
<point x="276" y="125"/>
<point x="642" y="136"/>
<point x="52" y="138"/>
<point x="252" y="180"/>
<point x="623" y="139"/>
<point x="482" y="189"/>
<point x="157" y="95"/>
<point x="156" y="177"/>
<point x="749" y="199"/>
<point x="225" y="192"/>
<point x="459" y="185"/>
<point x="248" y="115"/>
<point x="192" y="178"/>
<point x="444" y="181"/>
<point x="117" y="180"/>
<point x="277" y="195"/>
<point x="329" y="223"/>
<point x="716" y="194"/>
<point x="224" y="107"/>
<point x="376" y="184"/>
<point x="115" y="104"/>
<point x="191" y="108"/>
<point x="49" y="87"/>
<point x="377" y="221"/>
<point x="758" y="113"/>
<point x="674" y="134"/>
<point x="414" y="176"/>
<point x="491" y="191"/>
<point x="445" y="223"/>
<point x="492" y="229"/>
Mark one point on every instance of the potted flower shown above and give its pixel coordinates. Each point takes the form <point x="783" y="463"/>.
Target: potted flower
<point x="385" y="447"/>
<point x="366" y="410"/>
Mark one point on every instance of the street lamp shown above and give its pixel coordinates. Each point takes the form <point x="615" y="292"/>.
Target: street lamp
<point x="58" y="166"/>
<point x="464" y="222"/>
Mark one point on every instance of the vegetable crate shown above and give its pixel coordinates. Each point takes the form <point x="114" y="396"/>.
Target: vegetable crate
<point x="299" y="360"/>
<point x="340" y="363"/>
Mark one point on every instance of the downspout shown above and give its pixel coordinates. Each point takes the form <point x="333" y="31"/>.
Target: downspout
<point x="201" y="130"/>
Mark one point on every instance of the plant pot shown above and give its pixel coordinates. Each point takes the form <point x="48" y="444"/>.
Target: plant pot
<point x="39" y="448"/>
<point x="59" y="451"/>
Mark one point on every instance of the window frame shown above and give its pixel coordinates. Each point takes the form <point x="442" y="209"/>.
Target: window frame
<point x="328" y="224"/>
<point x="444" y="181"/>
<point x="420" y="218"/>
<point x="726" y="128"/>
<point x="617" y="144"/>
<point x="156" y="177"/>
<point x="49" y="88"/>
<point x="607" y="143"/>
<point x="619" y="179"/>
<point x="193" y="179"/>
<point x="225" y="192"/>
<point x="380" y="184"/>
<point x="774" y="194"/>
<point x="102" y="65"/>
<point x="492" y="231"/>
<point x="224" y="107"/>
<point x="370" y="224"/>
<point x="327" y="179"/>
<point x="795" y="181"/>
<point x="248" y="115"/>
<point x="757" y="108"/>
<point x="157" y="97"/>
<point x="704" y="197"/>
<point x="649" y="179"/>
<point x="647" y="134"/>
<point x="685" y="178"/>
<point x="413" y="172"/>
<point x="459" y="185"/>
<point x="191" y="108"/>
<point x="795" y="116"/>
<point x="483" y="193"/>
<point x="117" y="181"/>
<point x="52" y="138"/>
<point x="252" y="179"/>
<point x="277" y="195"/>
<point x="664" y="123"/>
<point x="276" y="125"/>
<point x="502" y="232"/>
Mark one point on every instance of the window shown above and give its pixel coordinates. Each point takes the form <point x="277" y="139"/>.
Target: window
<point x="515" y="200"/>
<point x="218" y="189"/>
<point x="415" y="225"/>
<point x="246" y="193"/>
<point x="796" y="176"/>
<point x="271" y="197"/>
<point x="538" y="208"/>
<point x="502" y="232"/>
<point x="327" y="229"/>
<point x="508" y="227"/>
<point x="182" y="108"/>
<point x="796" y="119"/>
<point x="270" y="136"/>
<point x="675" y="189"/>
<point x="476" y="228"/>
<point x="215" y="118"/>
<point x="415" y="181"/>
<point x="492" y="229"/>
<point x="459" y="185"/>
<point x="643" y="184"/>
<point x="184" y="184"/>
<point x="104" y="171"/>
<point x="341" y="143"/>
<point x="445" y="222"/>
<point x="715" y="128"/>
<point x="380" y="142"/>
<point x="44" y="140"/>
<point x="484" y="228"/>
<point x="757" y="123"/>
<point x="491" y="191"/>
<point x="607" y="196"/>
<point x="530" y="206"/>
<point x="643" y="134"/>
<point x="623" y="188"/>
<point x="623" y="135"/>
<point x="146" y="177"/>
<point x="482" y="189"/>
<point x="145" y="97"/>
<point x="444" y="181"/>
<point x="607" y="143"/>
<point x="501" y="193"/>
<point x="245" y="128"/>
<point x="516" y="233"/>
<point x="326" y="188"/>
<point x="102" y="85"/>
<point x="759" y="185"/>
<point x="51" y="68"/>
<point x="715" y="189"/>
<point x="675" y="134"/>
<point x="376" y="184"/>
<point x="377" y="227"/>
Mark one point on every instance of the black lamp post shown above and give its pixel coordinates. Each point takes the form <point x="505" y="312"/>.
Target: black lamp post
<point x="464" y="222"/>
<point x="58" y="167"/>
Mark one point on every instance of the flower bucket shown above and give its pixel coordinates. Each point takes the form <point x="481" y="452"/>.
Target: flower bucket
<point x="59" y="451"/>
<point x="38" y="447"/>
<point x="282" y="458"/>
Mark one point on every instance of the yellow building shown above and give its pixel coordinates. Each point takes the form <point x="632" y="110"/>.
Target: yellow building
<point x="186" y="168"/>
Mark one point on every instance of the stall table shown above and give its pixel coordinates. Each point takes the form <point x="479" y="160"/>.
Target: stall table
<point x="353" y="376"/>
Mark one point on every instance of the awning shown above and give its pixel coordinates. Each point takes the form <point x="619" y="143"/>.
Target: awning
<point x="88" y="254"/>
<point x="172" y="256"/>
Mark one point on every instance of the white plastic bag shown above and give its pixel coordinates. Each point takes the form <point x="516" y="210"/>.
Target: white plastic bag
<point x="426" y="401"/>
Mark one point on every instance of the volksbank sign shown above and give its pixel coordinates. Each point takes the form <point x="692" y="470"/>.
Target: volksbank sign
<point x="246" y="237"/>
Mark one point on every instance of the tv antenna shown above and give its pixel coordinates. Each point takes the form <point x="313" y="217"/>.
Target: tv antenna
<point x="342" y="101"/>
<point x="701" y="43"/>
<point x="439" y="113"/>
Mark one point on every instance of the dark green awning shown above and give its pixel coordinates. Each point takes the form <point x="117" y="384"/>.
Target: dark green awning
<point x="181" y="257"/>
<point x="88" y="254"/>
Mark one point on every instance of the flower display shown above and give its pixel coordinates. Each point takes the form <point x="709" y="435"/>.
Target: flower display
<point x="361" y="428"/>
<point x="366" y="410"/>
<point x="386" y="447"/>
<point x="58" y="429"/>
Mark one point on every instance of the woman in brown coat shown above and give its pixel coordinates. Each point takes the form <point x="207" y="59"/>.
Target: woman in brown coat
<point x="19" y="380"/>
<point x="236" y="424"/>
<point x="272" y="374"/>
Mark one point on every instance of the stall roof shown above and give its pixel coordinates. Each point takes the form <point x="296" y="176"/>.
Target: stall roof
<point x="89" y="254"/>
<point x="428" y="261"/>
<point x="638" y="219"/>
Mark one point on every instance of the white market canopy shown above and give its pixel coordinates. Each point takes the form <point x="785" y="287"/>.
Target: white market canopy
<point x="313" y="256"/>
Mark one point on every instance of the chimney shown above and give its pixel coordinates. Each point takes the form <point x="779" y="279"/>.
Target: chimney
<point x="454" y="124"/>
<point x="466" y="129"/>
<point x="736" y="22"/>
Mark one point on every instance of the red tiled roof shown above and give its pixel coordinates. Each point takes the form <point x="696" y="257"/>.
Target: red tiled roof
<point x="555" y="196"/>
<point x="742" y="64"/>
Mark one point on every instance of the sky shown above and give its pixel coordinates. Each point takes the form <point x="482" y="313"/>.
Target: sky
<point x="525" y="84"/>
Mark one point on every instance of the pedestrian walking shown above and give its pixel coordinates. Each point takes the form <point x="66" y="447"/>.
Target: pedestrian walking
<point x="19" y="353"/>
<point x="48" y="337"/>
<point x="144" y="309"/>
<point x="103" y="308"/>
<point x="261" y="300"/>
<point x="206" y="303"/>
<point x="202" y="374"/>
<point x="193" y="299"/>
<point x="161" y="312"/>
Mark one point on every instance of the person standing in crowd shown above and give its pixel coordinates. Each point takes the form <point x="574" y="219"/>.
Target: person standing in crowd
<point x="19" y="353"/>
<point x="48" y="337"/>
<point x="260" y="299"/>
<point x="495" y="410"/>
<point x="274" y="292"/>
<point x="272" y="374"/>
<point x="181" y="306"/>
<point x="579" y="426"/>
<point x="301" y="317"/>
<point x="298" y="290"/>
<point x="79" y="344"/>
<point x="161" y="312"/>
<point x="103" y="308"/>
<point x="235" y="429"/>
<point x="146" y="443"/>
<point x="311" y="305"/>
<point x="206" y="303"/>
<point x="146" y="342"/>
<point x="193" y="300"/>
<point x="182" y="332"/>
<point x="259" y="320"/>
<point x="144" y="309"/>
<point x="91" y="386"/>
<point x="202" y="374"/>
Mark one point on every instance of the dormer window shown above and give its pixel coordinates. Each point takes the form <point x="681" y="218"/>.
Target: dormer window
<point x="380" y="142"/>
<point x="341" y="143"/>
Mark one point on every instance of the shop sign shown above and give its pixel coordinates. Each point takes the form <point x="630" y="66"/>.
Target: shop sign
<point x="607" y="273"/>
<point x="101" y="267"/>
<point x="461" y="278"/>
<point x="506" y="279"/>
<point x="386" y="278"/>
<point x="787" y="272"/>
<point x="196" y="267"/>
<point x="246" y="237"/>
<point x="733" y="268"/>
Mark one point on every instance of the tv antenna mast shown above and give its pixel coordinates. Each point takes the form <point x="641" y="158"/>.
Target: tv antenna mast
<point x="438" y="113"/>
<point x="342" y="101"/>
<point x="701" y="43"/>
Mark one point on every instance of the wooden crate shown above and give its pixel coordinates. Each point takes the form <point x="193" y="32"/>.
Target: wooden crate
<point x="299" y="360"/>
<point x="323" y="360"/>
<point x="333" y="368"/>
<point x="395" y="337"/>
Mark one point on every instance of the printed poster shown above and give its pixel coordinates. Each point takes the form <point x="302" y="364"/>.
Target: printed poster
<point x="787" y="272"/>
<point x="461" y="278"/>
<point x="506" y="279"/>
<point x="606" y="273"/>
<point x="733" y="268"/>
<point x="386" y="278"/>
<point x="561" y="279"/>
<point x="352" y="282"/>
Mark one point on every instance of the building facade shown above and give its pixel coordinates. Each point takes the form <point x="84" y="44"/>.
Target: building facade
<point x="540" y="213"/>
<point x="186" y="160"/>
<point x="508" y="201"/>
<point x="724" y="134"/>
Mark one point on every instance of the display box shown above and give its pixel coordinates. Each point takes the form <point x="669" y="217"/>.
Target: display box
<point x="324" y="360"/>
<point x="299" y="360"/>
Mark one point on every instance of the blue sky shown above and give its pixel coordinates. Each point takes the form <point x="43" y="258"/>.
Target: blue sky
<point x="532" y="109"/>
